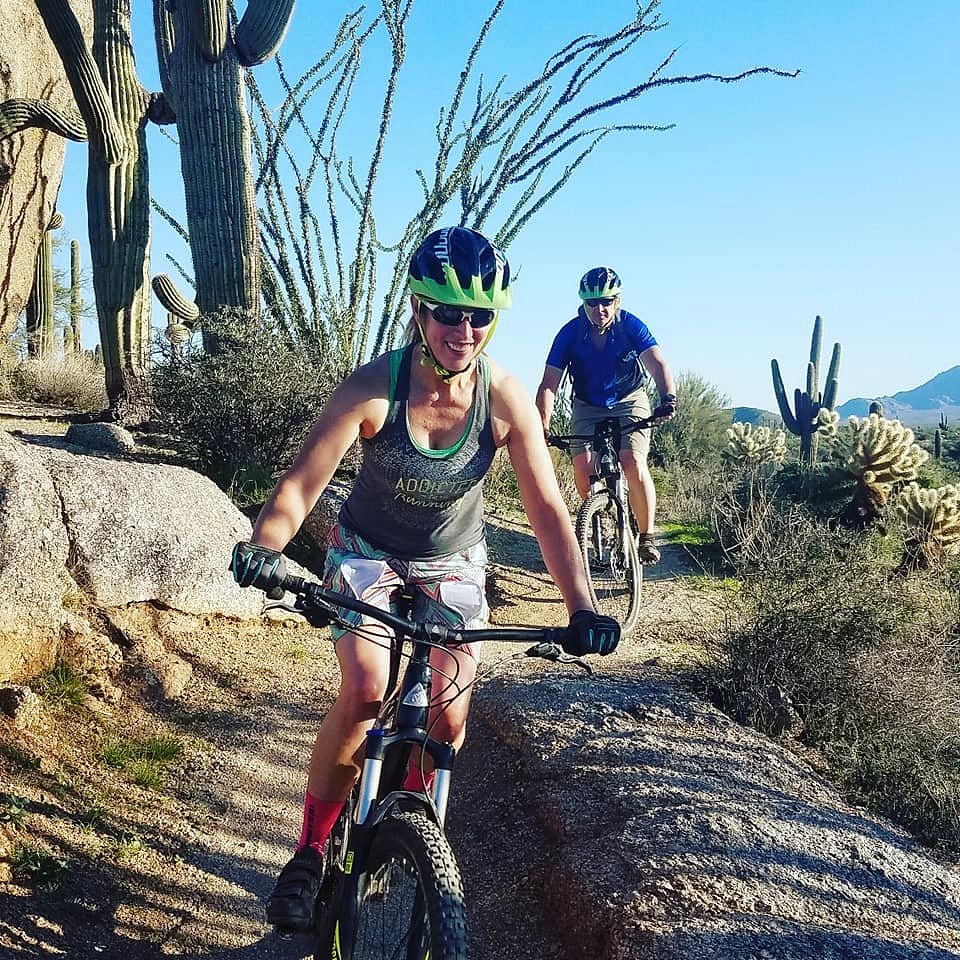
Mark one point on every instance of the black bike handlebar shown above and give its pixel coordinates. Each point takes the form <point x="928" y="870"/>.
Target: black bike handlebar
<point x="562" y="441"/>
<point x="321" y="599"/>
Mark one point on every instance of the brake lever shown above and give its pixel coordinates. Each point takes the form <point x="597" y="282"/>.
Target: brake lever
<point x="550" y="651"/>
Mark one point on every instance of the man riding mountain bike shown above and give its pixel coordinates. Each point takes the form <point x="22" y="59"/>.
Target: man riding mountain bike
<point x="609" y="353"/>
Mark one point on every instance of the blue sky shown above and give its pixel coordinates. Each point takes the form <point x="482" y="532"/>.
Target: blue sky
<point x="771" y="201"/>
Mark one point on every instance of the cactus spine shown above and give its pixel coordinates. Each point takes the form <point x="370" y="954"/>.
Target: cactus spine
<point x="202" y="72"/>
<point x="805" y="421"/>
<point x="39" y="313"/>
<point x="114" y="107"/>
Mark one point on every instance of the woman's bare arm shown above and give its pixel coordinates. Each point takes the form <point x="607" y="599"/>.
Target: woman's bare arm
<point x="522" y="432"/>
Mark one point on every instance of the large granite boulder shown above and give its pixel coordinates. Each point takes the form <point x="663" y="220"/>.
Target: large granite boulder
<point x="80" y="531"/>
<point x="33" y="561"/>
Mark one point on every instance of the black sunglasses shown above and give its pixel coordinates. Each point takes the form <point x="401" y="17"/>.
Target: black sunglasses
<point x="600" y="301"/>
<point x="451" y="316"/>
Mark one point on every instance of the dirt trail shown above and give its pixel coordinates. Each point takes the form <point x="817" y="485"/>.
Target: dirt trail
<point x="186" y="874"/>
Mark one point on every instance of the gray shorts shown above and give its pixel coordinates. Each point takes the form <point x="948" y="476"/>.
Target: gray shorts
<point x="630" y="409"/>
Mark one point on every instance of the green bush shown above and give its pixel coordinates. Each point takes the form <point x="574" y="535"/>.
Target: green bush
<point x="242" y="413"/>
<point x="865" y="661"/>
<point x="696" y="436"/>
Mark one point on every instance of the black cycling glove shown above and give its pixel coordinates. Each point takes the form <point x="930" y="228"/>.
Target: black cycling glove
<point x="667" y="408"/>
<point x="256" y="566"/>
<point x="590" y="632"/>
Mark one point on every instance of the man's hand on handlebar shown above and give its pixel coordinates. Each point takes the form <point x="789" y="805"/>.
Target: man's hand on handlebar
<point x="667" y="409"/>
<point x="591" y="632"/>
<point x="261" y="567"/>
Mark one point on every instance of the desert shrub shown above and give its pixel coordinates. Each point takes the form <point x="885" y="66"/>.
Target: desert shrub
<point x="76" y="381"/>
<point x="866" y="661"/>
<point x="696" y="436"/>
<point x="241" y="413"/>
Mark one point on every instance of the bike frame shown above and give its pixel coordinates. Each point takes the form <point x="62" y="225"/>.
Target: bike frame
<point x="402" y="726"/>
<point x="607" y="473"/>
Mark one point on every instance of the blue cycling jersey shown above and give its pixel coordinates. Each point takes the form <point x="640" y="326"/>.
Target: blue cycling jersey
<point x="602" y="376"/>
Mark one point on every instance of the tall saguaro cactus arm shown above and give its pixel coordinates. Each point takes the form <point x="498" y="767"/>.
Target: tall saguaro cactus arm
<point x="211" y="27"/>
<point x="89" y="90"/>
<point x="261" y="30"/>
<point x="202" y="69"/>
<point x="789" y="420"/>
<point x="18" y="114"/>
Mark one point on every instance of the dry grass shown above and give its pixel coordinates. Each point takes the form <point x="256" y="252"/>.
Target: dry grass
<point x="76" y="382"/>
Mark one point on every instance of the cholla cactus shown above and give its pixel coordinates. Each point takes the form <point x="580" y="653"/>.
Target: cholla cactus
<point x="749" y="446"/>
<point x="933" y="522"/>
<point x="879" y="453"/>
<point x="828" y="422"/>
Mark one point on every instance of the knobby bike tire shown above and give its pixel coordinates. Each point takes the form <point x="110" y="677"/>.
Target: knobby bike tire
<point x="408" y="903"/>
<point x="615" y="574"/>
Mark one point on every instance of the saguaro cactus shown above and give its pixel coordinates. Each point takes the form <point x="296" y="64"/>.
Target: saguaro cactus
<point x="39" y="313"/>
<point x="114" y="107"/>
<point x="76" y="296"/>
<point x="202" y="72"/>
<point x="804" y="421"/>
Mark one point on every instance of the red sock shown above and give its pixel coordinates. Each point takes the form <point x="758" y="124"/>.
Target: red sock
<point x="319" y="816"/>
<point x="415" y="779"/>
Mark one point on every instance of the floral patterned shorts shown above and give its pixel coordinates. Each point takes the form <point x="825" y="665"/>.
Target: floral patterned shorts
<point x="448" y="590"/>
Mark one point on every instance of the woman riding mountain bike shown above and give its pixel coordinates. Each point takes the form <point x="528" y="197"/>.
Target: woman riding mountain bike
<point x="430" y="417"/>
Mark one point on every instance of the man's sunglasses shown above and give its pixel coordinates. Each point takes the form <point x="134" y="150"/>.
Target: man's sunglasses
<point x="451" y="316"/>
<point x="599" y="301"/>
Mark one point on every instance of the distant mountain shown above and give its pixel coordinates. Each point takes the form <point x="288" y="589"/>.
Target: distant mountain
<point x="919" y="407"/>
<point x="755" y="416"/>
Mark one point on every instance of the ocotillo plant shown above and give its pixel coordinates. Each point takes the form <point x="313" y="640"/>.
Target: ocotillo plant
<point x="202" y="68"/>
<point x="804" y="421"/>
<point x="39" y="313"/>
<point x="76" y="296"/>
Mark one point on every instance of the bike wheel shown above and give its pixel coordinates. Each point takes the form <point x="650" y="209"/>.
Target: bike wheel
<point x="409" y="902"/>
<point x="614" y="572"/>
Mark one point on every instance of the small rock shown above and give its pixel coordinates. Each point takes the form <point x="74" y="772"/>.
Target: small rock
<point x="106" y="437"/>
<point x="19" y="703"/>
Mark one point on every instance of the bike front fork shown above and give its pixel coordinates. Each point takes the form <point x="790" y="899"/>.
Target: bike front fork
<point x="377" y="742"/>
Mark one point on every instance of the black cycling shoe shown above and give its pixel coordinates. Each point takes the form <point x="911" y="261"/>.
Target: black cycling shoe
<point x="291" y="905"/>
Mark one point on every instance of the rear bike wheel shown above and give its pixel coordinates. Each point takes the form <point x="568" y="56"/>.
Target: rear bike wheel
<point x="614" y="573"/>
<point x="408" y="902"/>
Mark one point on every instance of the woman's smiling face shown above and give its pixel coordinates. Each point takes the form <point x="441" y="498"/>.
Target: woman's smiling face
<point x="454" y="345"/>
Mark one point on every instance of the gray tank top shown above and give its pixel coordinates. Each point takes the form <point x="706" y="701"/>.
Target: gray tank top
<point x="413" y="502"/>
